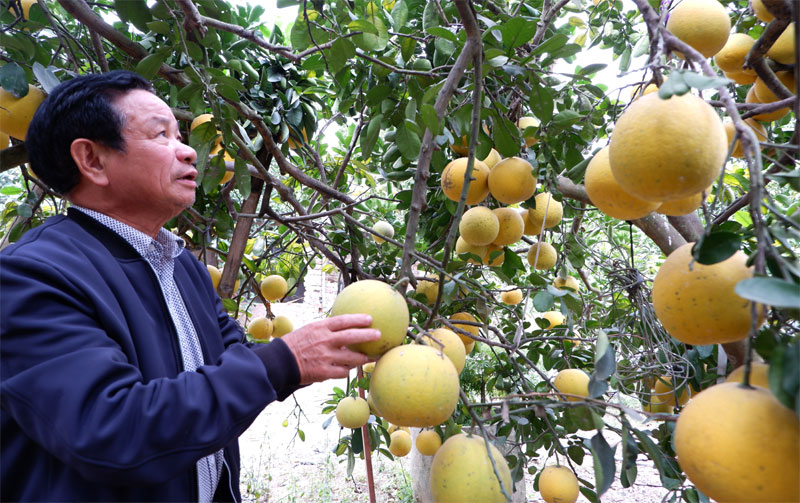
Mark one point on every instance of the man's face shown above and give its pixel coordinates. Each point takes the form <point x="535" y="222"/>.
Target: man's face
<point x="154" y="178"/>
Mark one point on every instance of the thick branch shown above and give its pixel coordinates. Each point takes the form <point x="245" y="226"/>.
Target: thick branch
<point x="192" y="19"/>
<point x="688" y="226"/>
<point x="239" y="240"/>
<point x="250" y="35"/>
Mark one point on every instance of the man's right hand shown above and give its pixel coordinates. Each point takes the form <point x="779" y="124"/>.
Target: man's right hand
<point x="320" y="348"/>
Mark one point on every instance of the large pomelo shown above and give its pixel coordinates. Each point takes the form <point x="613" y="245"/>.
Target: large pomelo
<point x="462" y="471"/>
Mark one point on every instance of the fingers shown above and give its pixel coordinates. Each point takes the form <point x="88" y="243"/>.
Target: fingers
<point x="354" y="336"/>
<point x="345" y="321"/>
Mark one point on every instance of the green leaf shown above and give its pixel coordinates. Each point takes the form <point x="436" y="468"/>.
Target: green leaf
<point x="784" y="374"/>
<point x="440" y="31"/>
<point x="593" y="68"/>
<point x="566" y="118"/>
<point x="773" y="292"/>
<point x="11" y="191"/>
<point x="506" y="137"/>
<point x="430" y="16"/>
<point x="340" y="52"/>
<point x="553" y="43"/>
<point x="148" y="67"/>
<point x="24" y="210"/>
<point x="134" y="12"/>
<point x="517" y="31"/>
<point x="604" y="466"/>
<point x="374" y="38"/>
<point x="160" y="27"/>
<point x="430" y="118"/>
<point x="701" y="82"/>
<point x="511" y="263"/>
<point x="408" y="142"/>
<point x="45" y="76"/>
<point x="625" y="60"/>
<point x="541" y="102"/>
<point x="371" y="136"/>
<point x="716" y="247"/>
<point x="14" y="80"/>
<point x="575" y="453"/>
<point x="543" y="301"/>
<point x="399" y="14"/>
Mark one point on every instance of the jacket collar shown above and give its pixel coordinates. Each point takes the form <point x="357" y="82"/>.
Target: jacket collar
<point x="110" y="239"/>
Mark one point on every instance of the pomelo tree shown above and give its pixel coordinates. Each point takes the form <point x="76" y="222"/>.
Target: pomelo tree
<point x="350" y="114"/>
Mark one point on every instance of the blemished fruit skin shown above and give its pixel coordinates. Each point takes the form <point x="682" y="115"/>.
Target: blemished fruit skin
<point x="554" y="318"/>
<point x="428" y="442"/>
<point x="452" y="346"/>
<point x="463" y="247"/>
<point x="608" y="196"/>
<point x="699" y="305"/>
<point x="730" y="131"/>
<point x="415" y="385"/>
<point x="546" y="204"/>
<point x="775" y="115"/>
<point x="512" y="181"/>
<point x="453" y="180"/>
<point x="739" y="444"/>
<point x="473" y="329"/>
<point x="384" y="229"/>
<point x="281" y="326"/>
<point x="260" y="328"/>
<point x="759" y="375"/>
<point x="547" y="256"/>
<point x="352" y="412"/>
<point x="782" y="50"/>
<point x="273" y="287"/>
<point x="511" y="226"/>
<point x="526" y="122"/>
<point x="568" y="282"/>
<point x="400" y="443"/>
<point x="667" y="149"/>
<point x="703" y="24"/>
<point x="16" y="113"/>
<point x="216" y="275"/>
<point x="387" y="307"/>
<point x="479" y="226"/>
<point x="511" y="297"/>
<point x="462" y="471"/>
<point x="557" y="484"/>
<point x="572" y="381"/>
<point x="731" y="58"/>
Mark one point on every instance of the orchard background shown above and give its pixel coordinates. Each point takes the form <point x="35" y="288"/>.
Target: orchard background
<point x="348" y="116"/>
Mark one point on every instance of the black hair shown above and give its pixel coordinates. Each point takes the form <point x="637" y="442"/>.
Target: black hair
<point x="78" y="108"/>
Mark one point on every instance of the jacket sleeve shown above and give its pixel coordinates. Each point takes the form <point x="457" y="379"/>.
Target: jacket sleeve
<point x="70" y="386"/>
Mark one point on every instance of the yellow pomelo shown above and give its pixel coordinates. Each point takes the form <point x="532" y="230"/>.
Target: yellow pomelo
<point x="393" y="428"/>
<point x="352" y="412"/>
<point x="473" y="329"/>
<point x="739" y="444"/>
<point x="469" y="346"/>
<point x="782" y="50"/>
<point x="260" y="328"/>
<point x="640" y="90"/>
<point x="699" y="305"/>
<point x="415" y="385"/>
<point x="568" y="282"/>
<point x="16" y="113"/>
<point x="387" y="307"/>
<point x="766" y="116"/>
<point x="273" y="287"/>
<point x="368" y="368"/>
<point x="732" y="57"/>
<point x="4" y="140"/>
<point x="605" y="192"/>
<point x="511" y="297"/>
<point x="703" y="24"/>
<point x="400" y="443"/>
<point x="464" y="247"/>
<point x="760" y="11"/>
<point x="453" y="180"/>
<point x="281" y="326"/>
<point x="742" y="78"/>
<point x="759" y="375"/>
<point x="545" y="204"/>
<point x="373" y="410"/>
<point x="526" y="122"/>
<point x="462" y="471"/>
<point x="533" y="227"/>
<point x="511" y="226"/>
<point x="658" y="408"/>
<point x="557" y="484"/>
<point x="680" y="207"/>
<point x="200" y="119"/>
<point x="479" y="226"/>
<point x="429" y="289"/>
<point x="492" y="159"/>
<point x="664" y="392"/>
<point x="491" y="251"/>
<point x="428" y="442"/>
<point x="554" y="319"/>
<point x="294" y="140"/>
<point x="216" y="275"/>
<point x="512" y="181"/>
<point x="384" y="229"/>
<point x="226" y="177"/>
<point x="574" y="382"/>
<point x="461" y="148"/>
<point x="542" y="256"/>
<point x="667" y="149"/>
<point x="730" y="130"/>
<point x="765" y="95"/>
<point x="451" y="344"/>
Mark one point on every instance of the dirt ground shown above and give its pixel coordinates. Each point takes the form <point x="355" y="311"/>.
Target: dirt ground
<point x="277" y="466"/>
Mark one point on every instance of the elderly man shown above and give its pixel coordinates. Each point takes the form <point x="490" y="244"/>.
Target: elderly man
<point x="123" y="378"/>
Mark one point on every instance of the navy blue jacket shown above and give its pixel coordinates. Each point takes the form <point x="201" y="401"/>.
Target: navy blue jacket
<point x="93" y="403"/>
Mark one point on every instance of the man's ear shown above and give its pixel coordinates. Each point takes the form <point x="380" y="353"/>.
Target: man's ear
<point x="88" y="156"/>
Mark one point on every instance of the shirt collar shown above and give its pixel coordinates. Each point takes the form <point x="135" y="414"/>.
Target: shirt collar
<point x="164" y="244"/>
